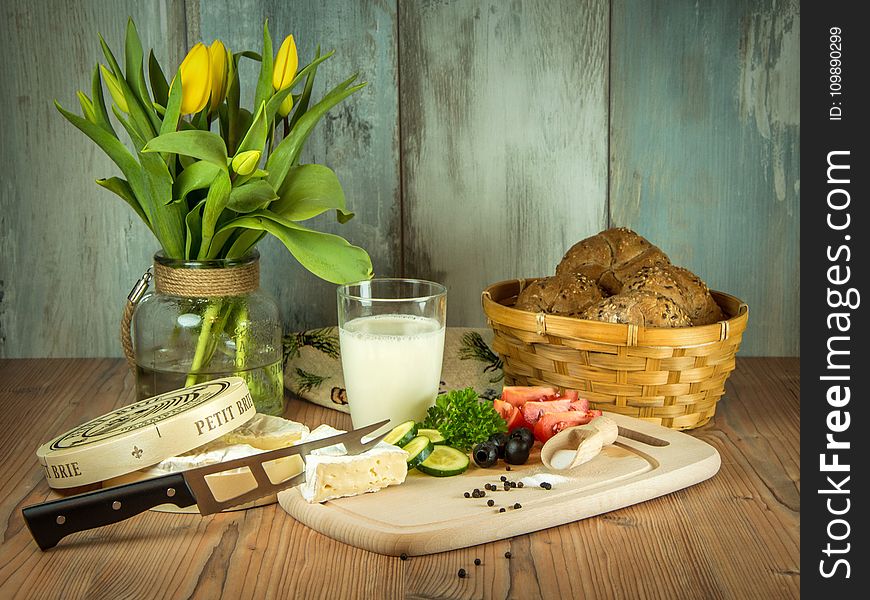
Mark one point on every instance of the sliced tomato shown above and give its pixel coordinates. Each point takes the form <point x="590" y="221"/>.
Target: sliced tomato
<point x="553" y="422"/>
<point x="510" y="413"/>
<point x="519" y="394"/>
<point x="533" y="411"/>
<point x="572" y="395"/>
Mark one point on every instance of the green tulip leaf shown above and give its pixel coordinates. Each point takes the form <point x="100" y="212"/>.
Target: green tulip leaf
<point x="247" y="54"/>
<point x="99" y="102"/>
<point x="252" y="196"/>
<point x="215" y="203"/>
<point x="264" y="82"/>
<point x="255" y="139"/>
<point x="203" y="145"/>
<point x="310" y="190"/>
<point x="166" y="218"/>
<point x="287" y="152"/>
<point x="142" y="121"/>
<point x="173" y="108"/>
<point x="159" y="85"/>
<point x="305" y="98"/>
<point x="198" y="176"/>
<point x="133" y="59"/>
<point x="122" y="189"/>
<point x="193" y="224"/>
<point x="328" y="256"/>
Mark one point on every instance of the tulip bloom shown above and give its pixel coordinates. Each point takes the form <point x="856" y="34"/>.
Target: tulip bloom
<point x="115" y="89"/>
<point x="284" y="71"/>
<point x="219" y="59"/>
<point x="195" y="80"/>
<point x="245" y="163"/>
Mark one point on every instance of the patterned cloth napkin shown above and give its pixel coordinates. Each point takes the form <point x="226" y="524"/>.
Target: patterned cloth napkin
<point x="312" y="365"/>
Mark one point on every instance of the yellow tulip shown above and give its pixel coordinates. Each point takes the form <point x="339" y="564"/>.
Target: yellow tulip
<point x="195" y="80"/>
<point x="220" y="59"/>
<point x="115" y="89"/>
<point x="286" y="106"/>
<point x="286" y="64"/>
<point x="244" y="163"/>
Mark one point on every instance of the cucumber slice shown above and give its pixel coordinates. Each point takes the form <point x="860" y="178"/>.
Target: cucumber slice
<point x="434" y="435"/>
<point x="444" y="462"/>
<point x="418" y="450"/>
<point x="402" y="434"/>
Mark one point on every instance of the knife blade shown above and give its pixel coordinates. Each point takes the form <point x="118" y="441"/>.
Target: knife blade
<point x="49" y="522"/>
<point x="641" y="437"/>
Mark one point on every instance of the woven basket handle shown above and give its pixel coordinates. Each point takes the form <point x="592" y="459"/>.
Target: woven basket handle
<point x="127" y="317"/>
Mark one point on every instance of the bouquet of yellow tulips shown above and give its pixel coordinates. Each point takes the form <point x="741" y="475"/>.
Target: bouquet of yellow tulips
<point x="210" y="178"/>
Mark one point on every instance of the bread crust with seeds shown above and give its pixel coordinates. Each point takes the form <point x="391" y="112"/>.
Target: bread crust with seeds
<point x="567" y="295"/>
<point x="611" y="257"/>
<point x="639" y="307"/>
<point x="683" y="287"/>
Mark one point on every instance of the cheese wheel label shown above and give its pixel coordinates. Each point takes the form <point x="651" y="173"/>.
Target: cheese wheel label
<point x="146" y="432"/>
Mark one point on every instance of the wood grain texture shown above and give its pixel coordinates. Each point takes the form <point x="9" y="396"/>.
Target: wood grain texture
<point x="705" y="148"/>
<point x="736" y="535"/>
<point x="69" y="251"/>
<point x="504" y="137"/>
<point x="358" y="139"/>
<point x="627" y="472"/>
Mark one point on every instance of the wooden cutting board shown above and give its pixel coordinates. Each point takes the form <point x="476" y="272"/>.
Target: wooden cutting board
<point x="429" y="514"/>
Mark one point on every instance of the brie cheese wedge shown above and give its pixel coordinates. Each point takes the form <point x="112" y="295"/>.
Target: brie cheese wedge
<point x="330" y="473"/>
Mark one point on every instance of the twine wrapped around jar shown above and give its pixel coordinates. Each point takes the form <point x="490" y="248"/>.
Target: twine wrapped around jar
<point x="231" y="280"/>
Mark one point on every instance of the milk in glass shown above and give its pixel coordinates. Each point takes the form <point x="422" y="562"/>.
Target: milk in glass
<point x="392" y="367"/>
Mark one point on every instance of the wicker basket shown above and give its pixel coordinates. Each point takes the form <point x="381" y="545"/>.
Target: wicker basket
<point x="670" y="376"/>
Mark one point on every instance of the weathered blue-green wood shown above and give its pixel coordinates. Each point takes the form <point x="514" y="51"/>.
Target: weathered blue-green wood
<point x="705" y="148"/>
<point x="69" y="250"/>
<point x="504" y="139"/>
<point x="358" y="139"/>
<point x="503" y="155"/>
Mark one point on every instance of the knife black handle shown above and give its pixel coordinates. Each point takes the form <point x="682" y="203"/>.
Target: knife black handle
<point x="50" y="521"/>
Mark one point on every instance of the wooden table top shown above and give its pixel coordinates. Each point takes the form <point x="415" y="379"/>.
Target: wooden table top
<point x="736" y="535"/>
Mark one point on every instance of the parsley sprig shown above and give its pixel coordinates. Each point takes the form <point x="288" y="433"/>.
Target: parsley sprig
<point x="463" y="419"/>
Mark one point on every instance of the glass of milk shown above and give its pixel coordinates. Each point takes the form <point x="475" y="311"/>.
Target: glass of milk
<point x="392" y="343"/>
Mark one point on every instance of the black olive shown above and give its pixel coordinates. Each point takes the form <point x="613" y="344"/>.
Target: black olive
<point x="499" y="439"/>
<point x="525" y="434"/>
<point x="485" y="454"/>
<point x="516" y="452"/>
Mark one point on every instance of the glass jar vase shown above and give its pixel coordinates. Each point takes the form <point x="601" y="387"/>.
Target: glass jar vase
<point x="208" y="319"/>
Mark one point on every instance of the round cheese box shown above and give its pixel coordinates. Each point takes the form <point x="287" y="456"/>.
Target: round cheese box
<point x="145" y="433"/>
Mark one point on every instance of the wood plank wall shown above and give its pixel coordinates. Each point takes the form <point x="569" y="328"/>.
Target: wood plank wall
<point x="493" y="135"/>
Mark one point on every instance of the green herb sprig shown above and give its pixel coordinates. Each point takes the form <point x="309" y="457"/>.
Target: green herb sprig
<point x="463" y="419"/>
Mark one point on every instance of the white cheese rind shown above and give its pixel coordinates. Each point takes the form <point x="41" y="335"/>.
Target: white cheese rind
<point x="330" y="473"/>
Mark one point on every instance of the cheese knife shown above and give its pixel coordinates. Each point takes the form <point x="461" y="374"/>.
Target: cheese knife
<point x="51" y="521"/>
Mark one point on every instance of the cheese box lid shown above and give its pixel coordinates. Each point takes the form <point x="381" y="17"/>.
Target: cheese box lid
<point x="146" y="432"/>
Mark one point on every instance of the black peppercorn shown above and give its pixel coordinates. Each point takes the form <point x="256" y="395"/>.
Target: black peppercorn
<point x="476" y="562"/>
<point x="403" y="556"/>
<point x="501" y="509"/>
<point x="518" y="505"/>
<point x="461" y="573"/>
<point x="520" y="484"/>
<point x="467" y="495"/>
<point x="507" y="554"/>
<point x="490" y="502"/>
<point x="503" y="478"/>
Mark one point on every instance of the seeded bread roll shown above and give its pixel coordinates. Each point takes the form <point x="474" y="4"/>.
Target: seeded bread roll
<point x="610" y="257"/>
<point x="640" y="307"/>
<point x="683" y="287"/>
<point x="568" y="295"/>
